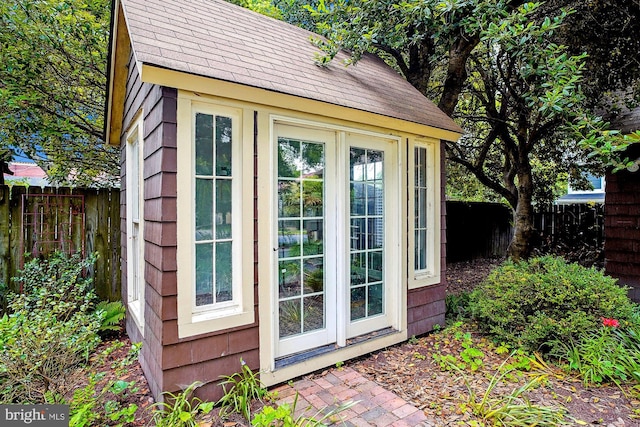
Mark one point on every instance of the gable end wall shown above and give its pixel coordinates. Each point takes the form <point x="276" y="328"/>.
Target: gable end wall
<point x="170" y="363"/>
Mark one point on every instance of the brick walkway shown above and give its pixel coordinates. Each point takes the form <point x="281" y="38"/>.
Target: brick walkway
<point x="376" y="406"/>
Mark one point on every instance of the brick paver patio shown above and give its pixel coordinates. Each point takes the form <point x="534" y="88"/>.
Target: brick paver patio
<point x="375" y="405"/>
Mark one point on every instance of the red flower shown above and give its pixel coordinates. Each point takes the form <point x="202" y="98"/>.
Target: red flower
<point x="613" y="323"/>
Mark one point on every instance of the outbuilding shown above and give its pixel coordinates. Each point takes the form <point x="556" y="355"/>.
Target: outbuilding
<point x="273" y="210"/>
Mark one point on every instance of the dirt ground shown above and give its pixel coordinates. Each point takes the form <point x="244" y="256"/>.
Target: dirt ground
<point x="444" y="393"/>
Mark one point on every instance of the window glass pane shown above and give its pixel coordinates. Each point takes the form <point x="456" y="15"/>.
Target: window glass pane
<point x="213" y="141"/>
<point x="134" y="181"/>
<point x="204" y="144"/>
<point x="223" y="209"/>
<point x="421" y="251"/>
<point x="204" y="209"/>
<point x="224" y="272"/>
<point x="223" y="146"/>
<point x="204" y="274"/>
<point x="421" y="206"/>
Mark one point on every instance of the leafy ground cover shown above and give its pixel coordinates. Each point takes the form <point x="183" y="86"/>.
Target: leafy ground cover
<point x="457" y="375"/>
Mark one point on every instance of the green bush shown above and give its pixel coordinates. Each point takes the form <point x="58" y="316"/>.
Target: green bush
<point x="537" y="303"/>
<point x="52" y="328"/>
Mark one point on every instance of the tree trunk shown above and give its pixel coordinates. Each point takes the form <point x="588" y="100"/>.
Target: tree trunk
<point x="521" y="245"/>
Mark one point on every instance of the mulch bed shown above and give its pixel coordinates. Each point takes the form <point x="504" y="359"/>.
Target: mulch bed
<point x="411" y="371"/>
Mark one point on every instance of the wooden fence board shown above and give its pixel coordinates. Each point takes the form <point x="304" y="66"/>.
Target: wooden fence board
<point x="87" y="233"/>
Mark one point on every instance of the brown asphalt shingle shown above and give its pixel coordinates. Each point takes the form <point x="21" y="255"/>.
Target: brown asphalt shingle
<point x="213" y="38"/>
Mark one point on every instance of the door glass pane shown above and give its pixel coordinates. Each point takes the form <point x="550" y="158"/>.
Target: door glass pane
<point x="289" y="278"/>
<point x="289" y="198"/>
<point x="288" y="158"/>
<point x="301" y="260"/>
<point x="313" y="312"/>
<point x="313" y="237"/>
<point x="367" y="224"/>
<point x="290" y="317"/>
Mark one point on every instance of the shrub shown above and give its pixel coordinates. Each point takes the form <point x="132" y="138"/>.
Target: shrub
<point x="535" y="304"/>
<point x="457" y="306"/>
<point x="51" y="329"/>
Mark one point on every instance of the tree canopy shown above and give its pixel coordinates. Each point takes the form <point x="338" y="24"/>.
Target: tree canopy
<point x="53" y="60"/>
<point x="501" y="70"/>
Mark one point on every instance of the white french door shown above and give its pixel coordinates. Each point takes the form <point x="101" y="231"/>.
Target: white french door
<point x="334" y="238"/>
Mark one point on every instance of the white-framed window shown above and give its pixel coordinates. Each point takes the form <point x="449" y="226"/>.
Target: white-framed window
<point x="215" y="218"/>
<point x="597" y="182"/>
<point x="135" y="222"/>
<point x="424" y="191"/>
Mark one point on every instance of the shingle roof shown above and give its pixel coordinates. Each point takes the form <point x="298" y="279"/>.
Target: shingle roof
<point x="213" y="38"/>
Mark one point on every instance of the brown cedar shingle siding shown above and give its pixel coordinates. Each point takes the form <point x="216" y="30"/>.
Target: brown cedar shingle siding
<point x="622" y="227"/>
<point x="216" y="39"/>
<point x="170" y="362"/>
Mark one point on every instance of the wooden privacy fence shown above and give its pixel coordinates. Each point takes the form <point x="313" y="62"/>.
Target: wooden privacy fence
<point x="36" y="221"/>
<point x="477" y="230"/>
<point x="575" y="231"/>
<point x="484" y="230"/>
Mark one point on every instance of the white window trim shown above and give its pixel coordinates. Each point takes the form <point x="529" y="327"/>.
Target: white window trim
<point x="135" y="302"/>
<point x="430" y="275"/>
<point x="240" y="311"/>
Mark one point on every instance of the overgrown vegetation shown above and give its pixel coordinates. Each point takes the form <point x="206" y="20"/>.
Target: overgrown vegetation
<point x="52" y="327"/>
<point x="537" y="304"/>
<point x="244" y="387"/>
<point x="180" y="409"/>
<point x="610" y="354"/>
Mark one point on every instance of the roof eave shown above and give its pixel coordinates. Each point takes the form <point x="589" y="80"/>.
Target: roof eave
<point x="119" y="50"/>
<point x="151" y="73"/>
